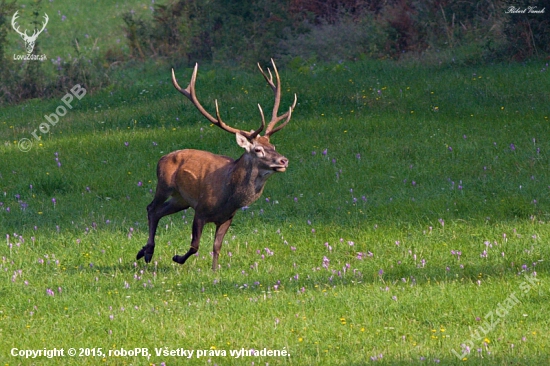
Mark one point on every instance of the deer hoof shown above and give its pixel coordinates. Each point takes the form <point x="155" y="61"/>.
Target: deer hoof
<point x="143" y="253"/>
<point x="179" y="259"/>
<point x="140" y="254"/>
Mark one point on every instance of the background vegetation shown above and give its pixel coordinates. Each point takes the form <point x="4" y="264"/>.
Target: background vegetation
<point x="296" y="32"/>
<point x="415" y="204"/>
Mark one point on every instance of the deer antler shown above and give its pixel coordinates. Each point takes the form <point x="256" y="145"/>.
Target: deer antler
<point x="25" y="35"/>
<point x="277" y="90"/>
<point x="34" y="35"/>
<point x="190" y="93"/>
<point x="13" y="19"/>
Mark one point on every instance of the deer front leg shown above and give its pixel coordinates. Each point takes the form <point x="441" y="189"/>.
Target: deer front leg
<point x="198" y="225"/>
<point x="218" y="241"/>
<point x="156" y="210"/>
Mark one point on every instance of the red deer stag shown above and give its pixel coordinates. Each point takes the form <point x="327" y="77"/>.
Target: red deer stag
<point x="215" y="186"/>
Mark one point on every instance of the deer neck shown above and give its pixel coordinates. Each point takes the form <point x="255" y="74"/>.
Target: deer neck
<point x="248" y="180"/>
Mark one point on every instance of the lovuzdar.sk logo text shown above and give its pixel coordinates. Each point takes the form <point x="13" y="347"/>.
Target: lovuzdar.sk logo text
<point x="29" y="40"/>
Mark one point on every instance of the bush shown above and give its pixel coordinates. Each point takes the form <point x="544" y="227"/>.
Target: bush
<point x="220" y="30"/>
<point x="86" y="69"/>
<point x="167" y="35"/>
<point x="227" y="31"/>
<point x="399" y="27"/>
<point x="6" y="11"/>
<point x="343" y="40"/>
<point x="526" y="34"/>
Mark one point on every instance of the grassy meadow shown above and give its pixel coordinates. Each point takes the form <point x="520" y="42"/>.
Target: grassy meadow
<point x="411" y="226"/>
<point x="414" y="207"/>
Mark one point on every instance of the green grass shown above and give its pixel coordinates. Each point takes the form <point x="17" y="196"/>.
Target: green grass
<point x="474" y="140"/>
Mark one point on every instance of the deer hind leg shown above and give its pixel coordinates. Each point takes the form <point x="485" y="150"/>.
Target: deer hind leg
<point x="218" y="241"/>
<point x="198" y="225"/>
<point x="156" y="210"/>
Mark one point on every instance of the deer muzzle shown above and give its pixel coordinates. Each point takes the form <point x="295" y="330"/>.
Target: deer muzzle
<point x="280" y="165"/>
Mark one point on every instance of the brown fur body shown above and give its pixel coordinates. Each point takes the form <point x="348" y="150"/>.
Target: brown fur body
<point x="215" y="186"/>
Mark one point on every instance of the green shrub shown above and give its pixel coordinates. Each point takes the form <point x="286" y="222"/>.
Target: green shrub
<point x="343" y="40"/>
<point x="220" y="31"/>
<point x="235" y="32"/>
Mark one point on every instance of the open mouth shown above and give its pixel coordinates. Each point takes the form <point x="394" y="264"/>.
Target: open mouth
<point x="278" y="168"/>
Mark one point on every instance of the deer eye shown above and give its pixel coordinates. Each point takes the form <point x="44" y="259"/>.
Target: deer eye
<point x="258" y="149"/>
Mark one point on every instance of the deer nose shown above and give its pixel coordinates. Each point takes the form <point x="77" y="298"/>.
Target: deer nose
<point x="283" y="161"/>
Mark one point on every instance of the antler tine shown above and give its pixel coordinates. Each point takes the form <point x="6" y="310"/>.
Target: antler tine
<point x="270" y="128"/>
<point x="277" y="96"/>
<point x="190" y="93"/>
<point x="44" y="24"/>
<point x="269" y="78"/>
<point x="34" y="33"/>
<point x="277" y="90"/>
<point x="287" y="115"/>
<point x="13" y="19"/>
<point x="255" y="133"/>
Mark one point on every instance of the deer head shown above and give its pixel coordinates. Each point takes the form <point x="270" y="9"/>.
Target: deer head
<point x="29" y="40"/>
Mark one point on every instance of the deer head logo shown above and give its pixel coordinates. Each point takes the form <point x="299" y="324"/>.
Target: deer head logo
<point x="29" y="40"/>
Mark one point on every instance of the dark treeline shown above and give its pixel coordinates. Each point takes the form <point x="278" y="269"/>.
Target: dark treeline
<point x="296" y="32"/>
<point x="329" y="30"/>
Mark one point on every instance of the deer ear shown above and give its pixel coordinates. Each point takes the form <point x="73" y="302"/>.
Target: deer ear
<point x="243" y="142"/>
